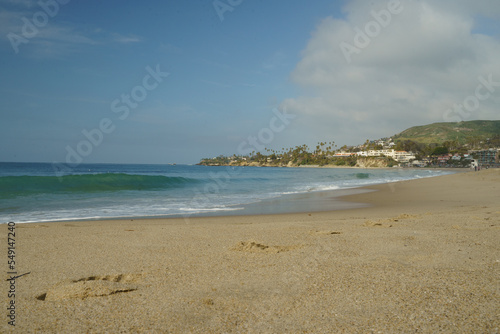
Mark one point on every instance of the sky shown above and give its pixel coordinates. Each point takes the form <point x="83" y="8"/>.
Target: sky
<point x="177" y="81"/>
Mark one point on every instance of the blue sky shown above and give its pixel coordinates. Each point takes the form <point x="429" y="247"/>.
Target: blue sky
<point x="226" y="78"/>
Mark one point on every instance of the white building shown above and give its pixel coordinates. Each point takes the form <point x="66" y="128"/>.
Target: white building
<point x="400" y="156"/>
<point x="343" y="154"/>
<point x="403" y="156"/>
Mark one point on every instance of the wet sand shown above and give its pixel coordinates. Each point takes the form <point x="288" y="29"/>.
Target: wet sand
<point x="423" y="257"/>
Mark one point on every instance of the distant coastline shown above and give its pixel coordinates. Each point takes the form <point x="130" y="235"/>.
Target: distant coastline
<point x="370" y="162"/>
<point x="457" y="169"/>
<point x="439" y="145"/>
<point x="364" y="164"/>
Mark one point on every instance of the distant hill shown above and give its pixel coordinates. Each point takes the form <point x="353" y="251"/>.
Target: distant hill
<point x="440" y="132"/>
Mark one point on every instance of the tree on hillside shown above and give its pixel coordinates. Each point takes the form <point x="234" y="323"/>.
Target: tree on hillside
<point x="451" y="145"/>
<point x="440" y="150"/>
<point x="494" y="141"/>
<point x="411" y="146"/>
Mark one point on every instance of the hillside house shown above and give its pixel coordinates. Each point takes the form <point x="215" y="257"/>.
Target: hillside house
<point x="442" y="159"/>
<point x="400" y="156"/>
<point x="343" y="154"/>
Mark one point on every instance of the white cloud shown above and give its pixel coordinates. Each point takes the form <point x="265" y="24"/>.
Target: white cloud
<point x="64" y="34"/>
<point x="488" y="8"/>
<point x="19" y="3"/>
<point x="417" y="67"/>
<point x="52" y="39"/>
<point x="126" y="39"/>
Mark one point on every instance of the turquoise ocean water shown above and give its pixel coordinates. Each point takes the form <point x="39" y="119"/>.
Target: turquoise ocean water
<point x="35" y="192"/>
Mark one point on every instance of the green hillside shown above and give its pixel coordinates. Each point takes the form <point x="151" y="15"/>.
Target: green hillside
<point x="461" y="132"/>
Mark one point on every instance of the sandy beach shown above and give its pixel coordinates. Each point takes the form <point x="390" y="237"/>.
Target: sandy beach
<point x="424" y="257"/>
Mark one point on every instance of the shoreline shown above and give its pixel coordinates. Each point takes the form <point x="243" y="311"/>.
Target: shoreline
<point x="422" y="257"/>
<point x="312" y="201"/>
<point x="463" y="169"/>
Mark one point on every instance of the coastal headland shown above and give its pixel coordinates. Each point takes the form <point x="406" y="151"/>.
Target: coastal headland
<point x="423" y="256"/>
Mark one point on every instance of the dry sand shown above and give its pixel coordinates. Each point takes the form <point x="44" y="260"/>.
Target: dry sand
<point x="425" y="258"/>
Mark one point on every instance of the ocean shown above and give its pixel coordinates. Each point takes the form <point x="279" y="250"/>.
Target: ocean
<point x="36" y="192"/>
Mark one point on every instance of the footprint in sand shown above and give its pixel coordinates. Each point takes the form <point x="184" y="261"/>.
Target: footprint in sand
<point x="92" y="286"/>
<point x="387" y="222"/>
<point x="405" y="216"/>
<point x="254" y="247"/>
<point x="380" y="223"/>
<point x="325" y="232"/>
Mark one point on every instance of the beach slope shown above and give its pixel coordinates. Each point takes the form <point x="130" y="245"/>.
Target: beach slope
<point x="424" y="257"/>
